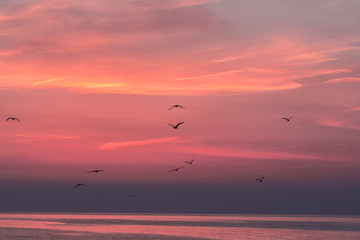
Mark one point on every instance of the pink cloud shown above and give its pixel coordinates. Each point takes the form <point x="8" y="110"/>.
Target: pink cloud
<point x="343" y="79"/>
<point x="353" y="109"/>
<point x="41" y="137"/>
<point x="332" y="123"/>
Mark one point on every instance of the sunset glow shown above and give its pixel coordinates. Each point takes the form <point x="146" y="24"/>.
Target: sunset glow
<point x="92" y="81"/>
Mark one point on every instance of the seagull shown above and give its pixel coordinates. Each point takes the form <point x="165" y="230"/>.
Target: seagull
<point x="176" y="126"/>
<point x="176" y="106"/>
<point x="78" y="185"/>
<point x="287" y="119"/>
<point x="259" y="179"/>
<point x="190" y="161"/>
<point x="95" y="171"/>
<point x="176" y="169"/>
<point x="12" y="118"/>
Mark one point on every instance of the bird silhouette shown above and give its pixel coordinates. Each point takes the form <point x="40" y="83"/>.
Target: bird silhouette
<point x="260" y="179"/>
<point x="176" y="169"/>
<point x="190" y="161"/>
<point x="176" y="126"/>
<point x="95" y="171"/>
<point x="175" y="106"/>
<point x="287" y="119"/>
<point x="12" y="118"/>
<point x="78" y="185"/>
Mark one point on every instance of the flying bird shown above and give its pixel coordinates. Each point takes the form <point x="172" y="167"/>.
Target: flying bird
<point x="287" y="119"/>
<point x="176" y="169"/>
<point x="190" y="161"/>
<point x="175" y="106"/>
<point x="176" y="126"/>
<point x="79" y="185"/>
<point x="95" y="171"/>
<point x="12" y="118"/>
<point x="260" y="179"/>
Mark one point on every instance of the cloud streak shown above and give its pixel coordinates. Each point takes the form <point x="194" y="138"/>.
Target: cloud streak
<point x="245" y="153"/>
<point x="210" y="75"/>
<point x="112" y="145"/>
<point x="343" y="79"/>
<point x="49" y="80"/>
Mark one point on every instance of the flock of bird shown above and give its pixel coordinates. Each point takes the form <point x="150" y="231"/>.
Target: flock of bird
<point x="176" y="127"/>
<point x="260" y="180"/>
<point x="172" y="170"/>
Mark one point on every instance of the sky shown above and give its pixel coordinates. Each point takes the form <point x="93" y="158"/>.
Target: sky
<point x="92" y="81"/>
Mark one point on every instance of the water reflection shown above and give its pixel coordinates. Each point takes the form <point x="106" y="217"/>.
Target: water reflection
<point x="198" y="226"/>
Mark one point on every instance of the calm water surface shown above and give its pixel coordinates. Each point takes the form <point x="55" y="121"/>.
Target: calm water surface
<point x="172" y="226"/>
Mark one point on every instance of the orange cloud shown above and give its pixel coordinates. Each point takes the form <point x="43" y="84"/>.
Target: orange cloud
<point x="49" y="80"/>
<point x="228" y="59"/>
<point x="210" y="75"/>
<point x="111" y="145"/>
<point x="244" y="153"/>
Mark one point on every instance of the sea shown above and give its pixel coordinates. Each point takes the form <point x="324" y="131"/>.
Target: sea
<point x="89" y="226"/>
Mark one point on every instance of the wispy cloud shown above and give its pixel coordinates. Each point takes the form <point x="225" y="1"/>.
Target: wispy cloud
<point x="210" y="75"/>
<point x="228" y="59"/>
<point x="204" y="50"/>
<point x="111" y="145"/>
<point x="49" y="80"/>
<point x="331" y="123"/>
<point x="41" y="137"/>
<point x="244" y="153"/>
<point x="106" y="85"/>
<point x="343" y="79"/>
<point x="353" y="109"/>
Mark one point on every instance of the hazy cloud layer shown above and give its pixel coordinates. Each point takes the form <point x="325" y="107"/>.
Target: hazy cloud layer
<point x="141" y="46"/>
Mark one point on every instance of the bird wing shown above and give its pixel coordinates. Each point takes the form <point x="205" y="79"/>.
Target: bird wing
<point x="179" y="124"/>
<point x="78" y="185"/>
<point x="8" y="119"/>
<point x="182" y="107"/>
<point x="170" y="108"/>
<point x="171" y="125"/>
<point x="17" y="119"/>
<point x="172" y="170"/>
<point x="190" y="161"/>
